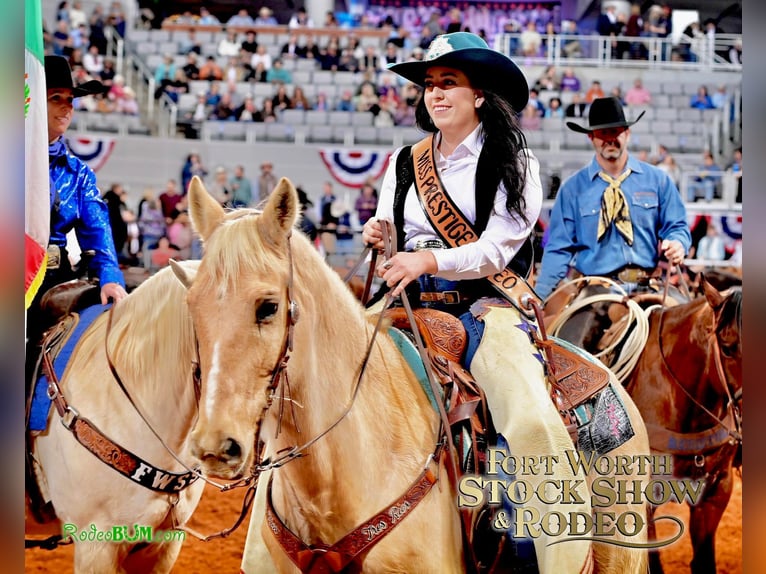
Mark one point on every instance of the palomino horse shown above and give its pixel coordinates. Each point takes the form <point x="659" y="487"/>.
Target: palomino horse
<point x="275" y="324"/>
<point x="688" y="387"/>
<point x="151" y="345"/>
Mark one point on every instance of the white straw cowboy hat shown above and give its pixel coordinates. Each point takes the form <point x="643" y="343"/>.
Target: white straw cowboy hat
<point x="485" y="68"/>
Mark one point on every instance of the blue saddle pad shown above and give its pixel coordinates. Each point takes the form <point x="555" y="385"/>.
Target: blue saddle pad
<point x="41" y="404"/>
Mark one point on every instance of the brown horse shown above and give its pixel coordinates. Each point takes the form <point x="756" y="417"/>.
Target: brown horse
<point x="688" y="387"/>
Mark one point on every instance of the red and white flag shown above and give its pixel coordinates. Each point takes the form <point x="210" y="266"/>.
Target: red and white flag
<point x="37" y="183"/>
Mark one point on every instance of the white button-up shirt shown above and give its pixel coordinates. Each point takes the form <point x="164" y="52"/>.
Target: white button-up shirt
<point x="504" y="234"/>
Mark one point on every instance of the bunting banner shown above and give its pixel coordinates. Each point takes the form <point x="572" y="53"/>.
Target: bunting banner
<point x="353" y="168"/>
<point x="93" y="151"/>
<point x="37" y="181"/>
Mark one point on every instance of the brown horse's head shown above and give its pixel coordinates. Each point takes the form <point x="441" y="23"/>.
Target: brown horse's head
<point x="239" y="303"/>
<point x="727" y="311"/>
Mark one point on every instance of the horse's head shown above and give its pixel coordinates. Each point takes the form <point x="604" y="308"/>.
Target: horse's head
<point x="727" y="309"/>
<point x="240" y="302"/>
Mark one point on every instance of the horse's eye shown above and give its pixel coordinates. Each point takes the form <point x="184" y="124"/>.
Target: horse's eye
<point x="729" y="350"/>
<point x="265" y="311"/>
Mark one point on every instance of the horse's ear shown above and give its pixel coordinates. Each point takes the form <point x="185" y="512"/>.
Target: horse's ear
<point x="205" y="212"/>
<point x="281" y="211"/>
<point x="181" y="274"/>
<point x="714" y="298"/>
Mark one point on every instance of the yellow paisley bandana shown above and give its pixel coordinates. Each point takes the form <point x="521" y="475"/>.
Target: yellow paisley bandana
<point x="614" y="208"/>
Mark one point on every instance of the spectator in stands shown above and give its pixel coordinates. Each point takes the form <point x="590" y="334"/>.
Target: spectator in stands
<point x="577" y="109"/>
<point x="128" y="104"/>
<point x="635" y="28"/>
<point x="210" y="70"/>
<point x="530" y="40"/>
<point x="310" y="50"/>
<point x="250" y="43"/>
<point x="213" y="94"/>
<point x="97" y="22"/>
<point x="300" y="20"/>
<point x="735" y="168"/>
<point x="669" y="166"/>
<point x="595" y="91"/>
<point x="161" y="255"/>
<point x="431" y="29"/>
<point x="278" y="74"/>
<point x="321" y="103"/>
<point x="233" y="72"/>
<point x="115" y="200"/>
<point x="692" y="42"/>
<point x="534" y="99"/>
<point x="391" y="55"/>
<point x="347" y="61"/>
<point x="735" y="52"/>
<point x="569" y="82"/>
<point x="62" y="42"/>
<point x="530" y="118"/>
<point x="720" y="98"/>
<point x="241" y="19"/>
<point x="248" y="112"/>
<point x="224" y="111"/>
<point x="281" y="99"/>
<point x="261" y="56"/>
<point x="706" y="181"/>
<point x="220" y="189"/>
<point x="638" y="95"/>
<point x="267" y="181"/>
<point x="241" y="188"/>
<point x="330" y="21"/>
<point x="329" y="59"/>
<point x="117" y="89"/>
<point x="169" y="199"/>
<point x="701" y="100"/>
<point x="179" y="85"/>
<point x="192" y="166"/>
<point x="93" y="62"/>
<point x="554" y="109"/>
<point x="229" y="46"/>
<point x="116" y="19"/>
<point x="710" y="247"/>
<point x="291" y="49"/>
<point x="346" y="102"/>
<point x="366" y="97"/>
<point x="79" y="37"/>
<point x="607" y="24"/>
<point x="571" y="47"/>
<point x="191" y="70"/>
<point x="75" y="60"/>
<point x="640" y="209"/>
<point x="62" y="11"/>
<point x="366" y="203"/>
<point x="268" y="113"/>
<point x="454" y="21"/>
<point x="152" y="226"/>
<point x="370" y="60"/>
<point x="266" y="17"/>
<point x="180" y="235"/>
<point x="299" y="99"/>
<point x="617" y="93"/>
<point x="547" y="80"/>
<point x="208" y="19"/>
<point x="164" y="74"/>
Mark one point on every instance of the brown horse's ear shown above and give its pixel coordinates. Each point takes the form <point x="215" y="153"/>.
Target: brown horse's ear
<point x="205" y="212"/>
<point x="280" y="213"/>
<point x="181" y="274"/>
<point x="714" y="298"/>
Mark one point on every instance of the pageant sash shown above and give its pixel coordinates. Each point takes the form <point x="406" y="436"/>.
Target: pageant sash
<point x="452" y="226"/>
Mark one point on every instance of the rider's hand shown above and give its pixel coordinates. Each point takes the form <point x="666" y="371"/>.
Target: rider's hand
<point x="372" y="233"/>
<point x="404" y="268"/>
<point x="115" y="291"/>
<point x="673" y="251"/>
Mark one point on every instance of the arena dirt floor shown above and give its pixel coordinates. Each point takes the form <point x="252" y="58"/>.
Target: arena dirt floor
<point x="218" y="511"/>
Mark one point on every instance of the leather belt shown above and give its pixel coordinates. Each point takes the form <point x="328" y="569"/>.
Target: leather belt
<point x="446" y="297"/>
<point x="633" y="275"/>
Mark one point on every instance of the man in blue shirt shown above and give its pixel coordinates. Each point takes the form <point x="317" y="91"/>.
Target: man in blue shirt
<point x="615" y="214"/>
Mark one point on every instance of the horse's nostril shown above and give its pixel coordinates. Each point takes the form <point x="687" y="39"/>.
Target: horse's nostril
<point x="231" y="448"/>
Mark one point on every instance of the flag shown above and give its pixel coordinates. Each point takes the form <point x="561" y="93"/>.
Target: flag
<point x="353" y="168"/>
<point x="94" y="151"/>
<point x="37" y="183"/>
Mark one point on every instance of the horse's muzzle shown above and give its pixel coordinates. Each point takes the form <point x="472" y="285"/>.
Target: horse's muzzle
<point x="225" y="459"/>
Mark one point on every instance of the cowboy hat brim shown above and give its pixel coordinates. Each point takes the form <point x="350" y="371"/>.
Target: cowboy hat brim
<point x="89" y="88"/>
<point x="487" y="69"/>
<point x="586" y="130"/>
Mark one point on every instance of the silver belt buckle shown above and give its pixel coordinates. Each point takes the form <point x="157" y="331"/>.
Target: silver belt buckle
<point x="425" y="244"/>
<point x="631" y="275"/>
<point x="54" y="257"/>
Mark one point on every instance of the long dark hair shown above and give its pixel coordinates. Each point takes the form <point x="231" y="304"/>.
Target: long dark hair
<point x="503" y="149"/>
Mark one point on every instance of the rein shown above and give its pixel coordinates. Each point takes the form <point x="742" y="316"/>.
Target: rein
<point x="731" y="402"/>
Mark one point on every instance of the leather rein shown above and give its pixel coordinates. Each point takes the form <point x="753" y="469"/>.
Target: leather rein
<point x="733" y="400"/>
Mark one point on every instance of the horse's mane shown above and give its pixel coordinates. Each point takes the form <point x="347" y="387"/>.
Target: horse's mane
<point x="151" y="340"/>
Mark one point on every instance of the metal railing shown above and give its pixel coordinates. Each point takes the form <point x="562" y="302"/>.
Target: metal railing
<point x="637" y="51"/>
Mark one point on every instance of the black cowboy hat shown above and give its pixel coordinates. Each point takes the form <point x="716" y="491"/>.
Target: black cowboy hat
<point x="486" y="68"/>
<point x="604" y="113"/>
<point x="58" y="74"/>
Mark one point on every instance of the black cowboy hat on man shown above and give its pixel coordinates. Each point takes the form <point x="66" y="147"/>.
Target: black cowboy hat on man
<point x="605" y="113"/>
<point x="58" y="74"/>
<point x="485" y="68"/>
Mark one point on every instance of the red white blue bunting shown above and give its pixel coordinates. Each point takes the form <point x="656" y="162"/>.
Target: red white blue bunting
<point x="353" y="168"/>
<point x="93" y="151"/>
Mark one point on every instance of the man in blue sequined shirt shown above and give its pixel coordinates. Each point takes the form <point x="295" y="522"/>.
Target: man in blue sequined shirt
<point x="616" y="213"/>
